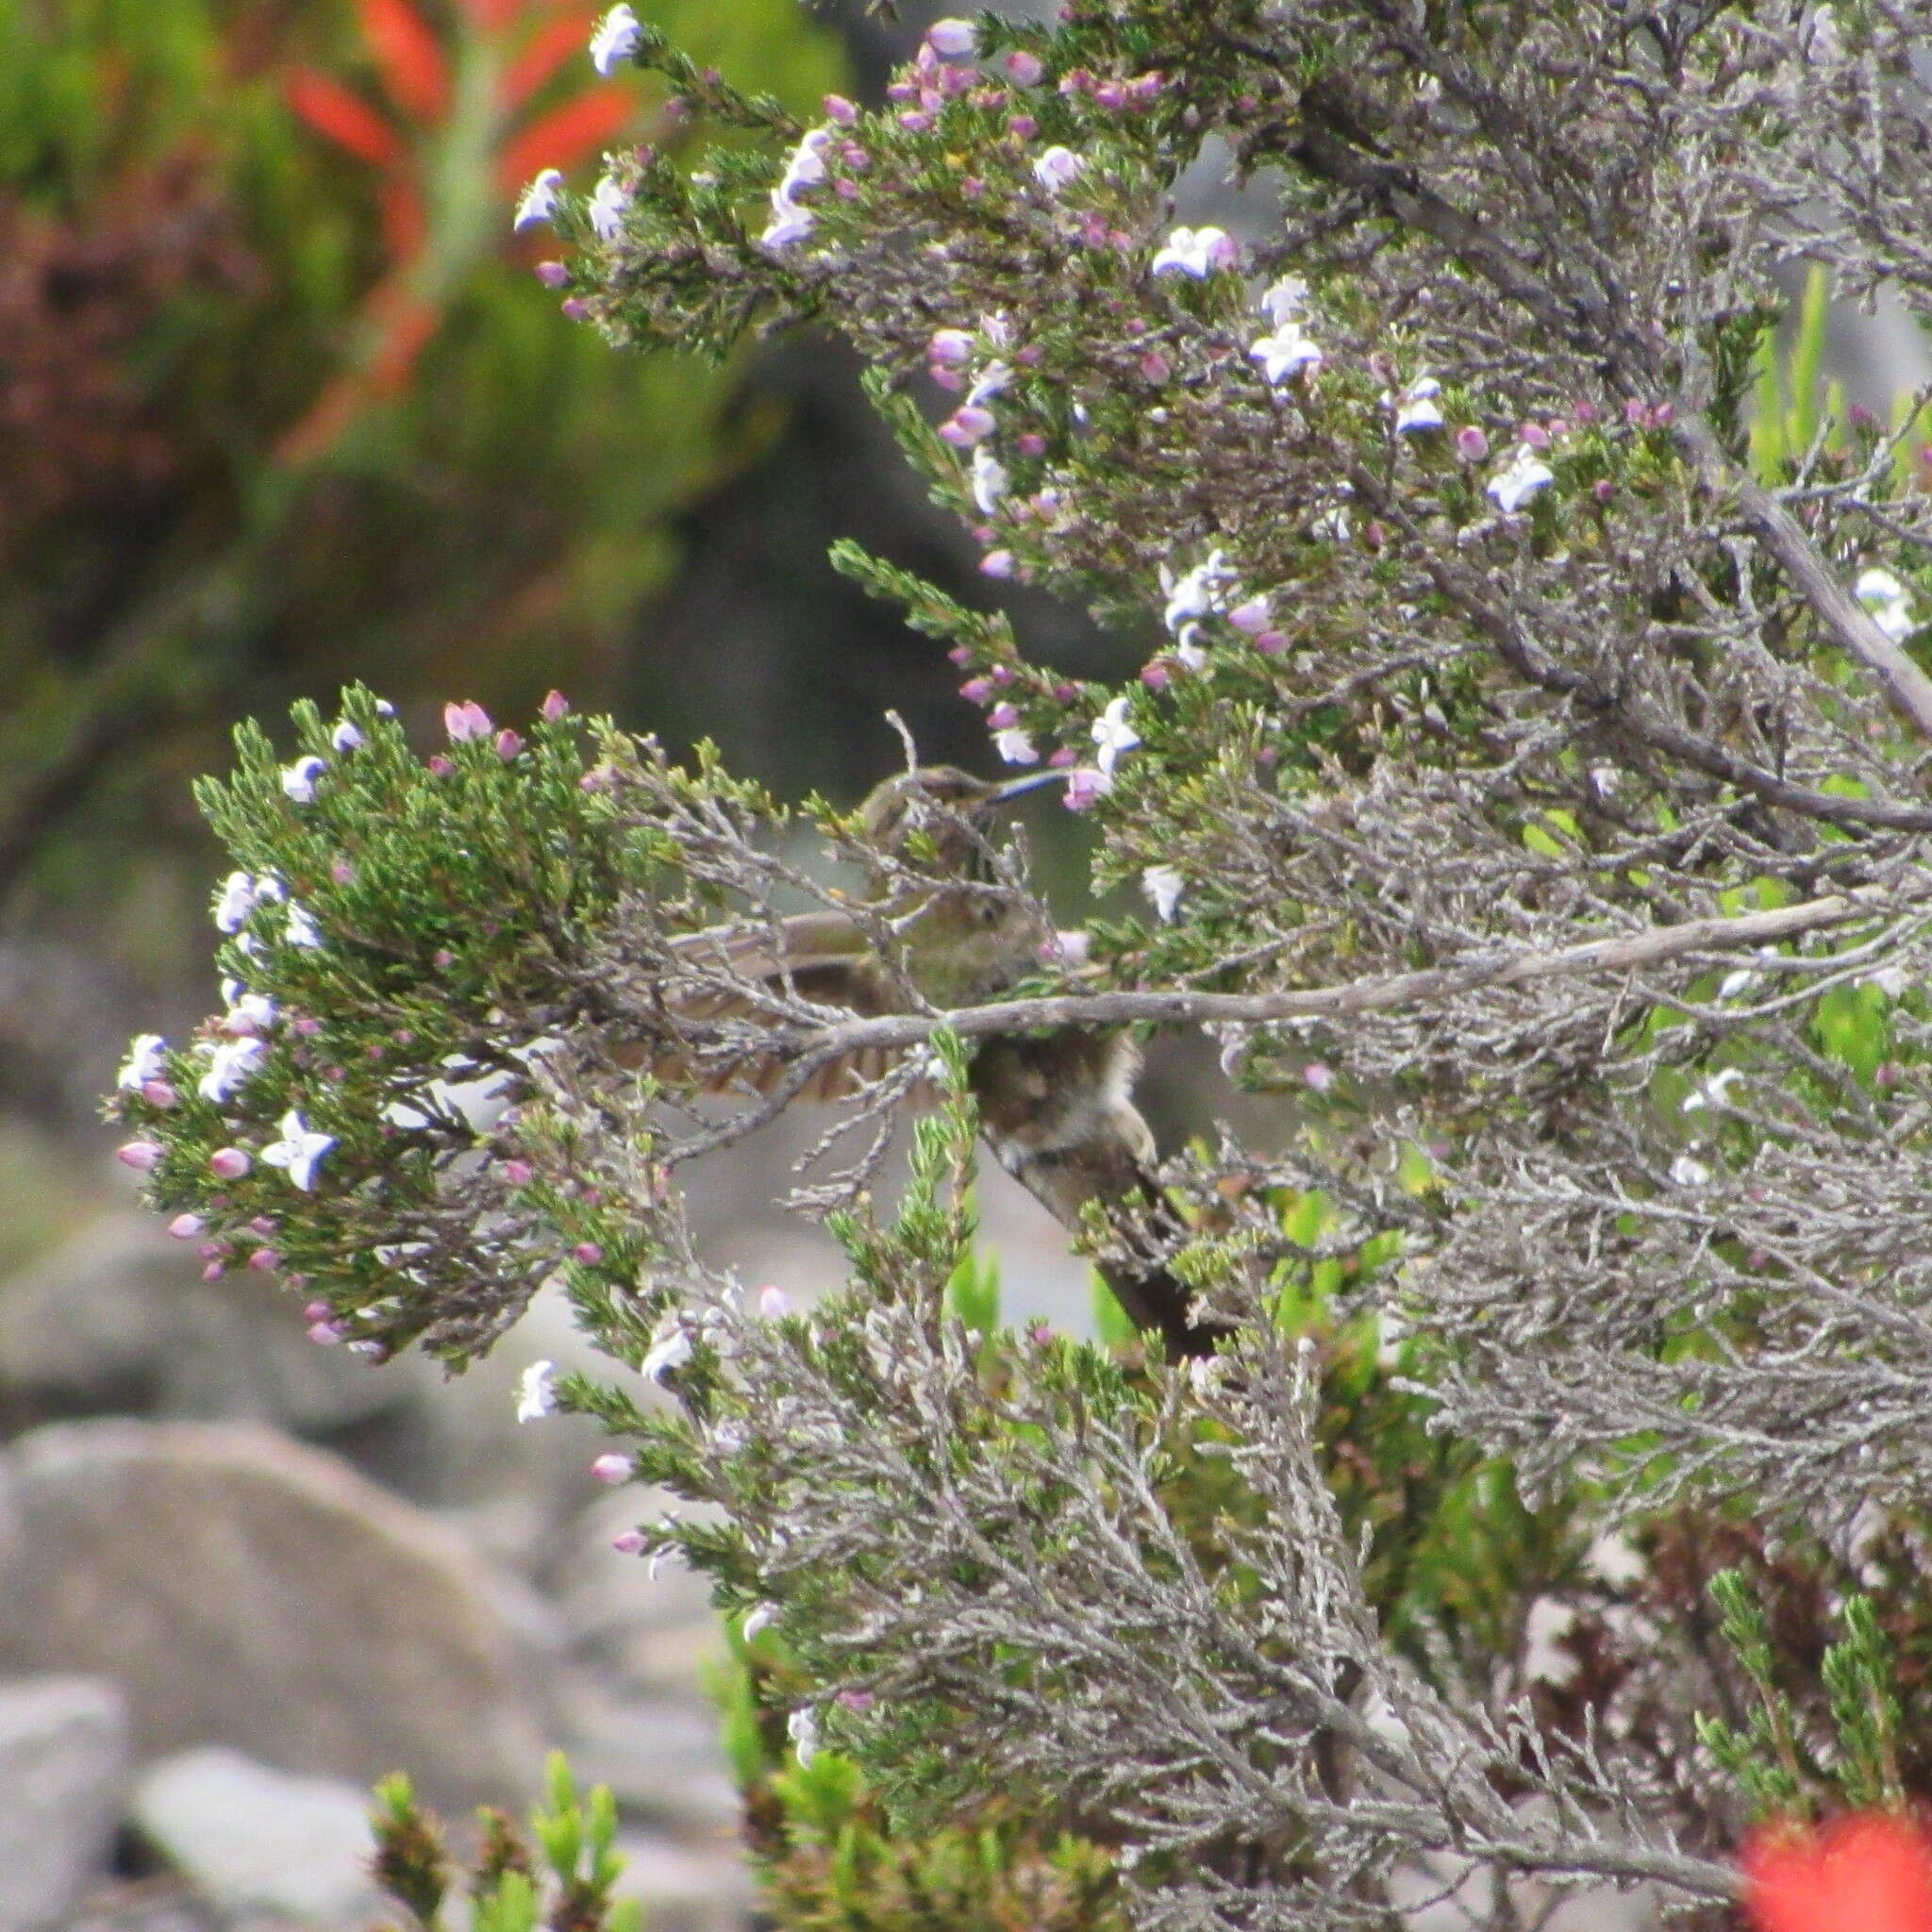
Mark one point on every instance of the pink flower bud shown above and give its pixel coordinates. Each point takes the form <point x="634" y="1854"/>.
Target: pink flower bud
<point x="143" y="1156"/>
<point x="1603" y="490"/>
<point x="955" y="38"/>
<point x="438" y="766"/>
<point x="307" y="1027"/>
<point x="996" y="563"/>
<point x="855" y="157"/>
<point x="967" y="426"/>
<point x="553" y="275"/>
<point x="1024" y="126"/>
<point x="951" y="379"/>
<point x="1317" y="1077"/>
<point x="628" y="1543"/>
<point x="1270" y="643"/>
<point x="1250" y="615"/>
<point x="1559" y="425"/>
<point x="1110" y="95"/>
<point x="465" y="720"/>
<point x="341" y="871"/>
<point x="554" y="706"/>
<point x="1063" y="757"/>
<point x="1031" y="443"/>
<point x="1153" y="366"/>
<point x="915" y="121"/>
<point x="613" y="1469"/>
<point x="264" y="1260"/>
<point x="773" y="1303"/>
<point x="1637" y="414"/>
<point x="1663" y="415"/>
<point x="1157" y="676"/>
<point x="263" y="1224"/>
<point x="856" y="1700"/>
<point x="326" y="1333"/>
<point x="1022" y="68"/>
<point x="902" y="90"/>
<point x="159" y="1094"/>
<point x="184" y="1227"/>
<point x="214" y="1271"/>
<point x="1075" y="80"/>
<point x="518" y="1172"/>
<point x="317" y="1312"/>
<point x="229" y="1163"/>
<point x="1146" y="86"/>
<point x="1001" y="674"/>
<point x="846" y="191"/>
<point x="839" y="110"/>
<point x="574" y="308"/>
<point x="212" y="1251"/>
<point x="1471" y="445"/>
<point x="1583" y="412"/>
<point x="1535" y="435"/>
<point x="588" y="1252"/>
<point x="1083" y="785"/>
<point x="1003" y="717"/>
<point x="950" y="345"/>
<point x="508" y="745"/>
<point x="975" y="690"/>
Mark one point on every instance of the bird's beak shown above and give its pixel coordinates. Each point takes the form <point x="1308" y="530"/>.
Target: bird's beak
<point x="1030" y="781"/>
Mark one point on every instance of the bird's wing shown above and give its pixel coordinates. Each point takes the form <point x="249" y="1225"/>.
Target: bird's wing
<point x="821" y="957"/>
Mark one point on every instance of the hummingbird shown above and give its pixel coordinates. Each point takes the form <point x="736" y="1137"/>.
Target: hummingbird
<point x="1056" y="1106"/>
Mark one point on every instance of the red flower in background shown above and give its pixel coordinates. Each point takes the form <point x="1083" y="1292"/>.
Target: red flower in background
<point x="420" y="74"/>
<point x="1868" y="1873"/>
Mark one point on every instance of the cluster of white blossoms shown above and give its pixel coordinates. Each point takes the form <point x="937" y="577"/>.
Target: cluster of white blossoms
<point x="1195" y="252"/>
<point x="805" y="167"/>
<point x="1888" y="603"/>
<point x="1287" y="349"/>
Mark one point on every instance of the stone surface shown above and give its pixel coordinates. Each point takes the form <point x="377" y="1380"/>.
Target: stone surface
<point x="63" y="1770"/>
<point x="118" y="1317"/>
<point x="248" y="1591"/>
<point x="255" y="1840"/>
<point x="683" y="1891"/>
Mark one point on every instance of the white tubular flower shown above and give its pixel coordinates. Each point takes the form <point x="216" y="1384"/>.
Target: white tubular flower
<point x="789" y="224"/>
<point x="988" y="480"/>
<point x="1687" y="1170"/>
<point x="298" y="780"/>
<point x="299" y="1150"/>
<point x="1163" y="886"/>
<point x="539" y="200"/>
<point x="1889" y="602"/>
<point x="1714" y="1091"/>
<point x="1525" y="474"/>
<point x="1198" y="592"/>
<point x="606" y="208"/>
<point x="617" y="38"/>
<point x="670" y="1349"/>
<point x="994" y="381"/>
<point x="1113" y="734"/>
<point x="805" y="167"/>
<point x="1188" y="646"/>
<point x="1015" y="745"/>
<point x="1286" y="353"/>
<point x="1058" y="168"/>
<point x="1196" y="252"/>
<point x="536" y="1397"/>
<point x="303" y="930"/>
<point x="1416" y="407"/>
<point x="345" y="737"/>
<point x="1285" y="301"/>
<point x="235" y="902"/>
<point x="801" y="1727"/>
<point x="235" y="1060"/>
<point x="144" y="1062"/>
<point x="250" y="1013"/>
<point x="760" y="1617"/>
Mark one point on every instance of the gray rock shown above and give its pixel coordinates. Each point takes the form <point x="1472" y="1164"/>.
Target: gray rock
<point x="662" y="1759"/>
<point x="63" y="1770"/>
<point x="255" y="1839"/>
<point x="683" y="1891"/>
<point x="248" y="1591"/>
<point x="118" y="1317"/>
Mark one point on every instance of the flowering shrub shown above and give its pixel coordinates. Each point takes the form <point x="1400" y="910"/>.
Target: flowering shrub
<point x="1524" y="781"/>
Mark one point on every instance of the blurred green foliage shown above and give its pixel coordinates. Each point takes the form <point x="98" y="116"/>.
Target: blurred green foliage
<point x="283" y="399"/>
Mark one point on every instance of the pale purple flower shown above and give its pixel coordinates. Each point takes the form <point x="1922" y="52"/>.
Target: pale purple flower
<point x="1525" y="474"/>
<point x="143" y="1156"/>
<point x="628" y="1542"/>
<point x="536" y="1395"/>
<point x="1250" y="615"/>
<point x="996" y="563"/>
<point x="299" y="1150"/>
<point x="1197" y="252"/>
<point x="966" y="425"/>
<point x="1471" y="445"/>
<point x="345" y="737"/>
<point x="988" y="480"/>
<point x="1083" y="785"/>
<point x="1058" y="168"/>
<point x="539" y="202"/>
<point x="1163" y="886"/>
<point x="554" y="706"/>
<point x="773" y="1303"/>
<point x="249" y="1012"/>
<point x="235" y="1061"/>
<point x="805" y="167"/>
<point x="298" y="780"/>
<point x="229" y="1163"/>
<point x="466" y="721"/>
<point x="146" y="1060"/>
<point x="1285" y="353"/>
<point x="955" y="38"/>
<point x="303" y="930"/>
<point x="1015" y="745"/>
<point x="1023" y="69"/>
<point x="950" y="347"/>
<point x="993" y="380"/>
<point x="614" y="1469"/>
<point x="184" y="1227"/>
<point x="608" y="204"/>
<point x="1113" y="734"/>
<point x="617" y="38"/>
<point x="839" y="110"/>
